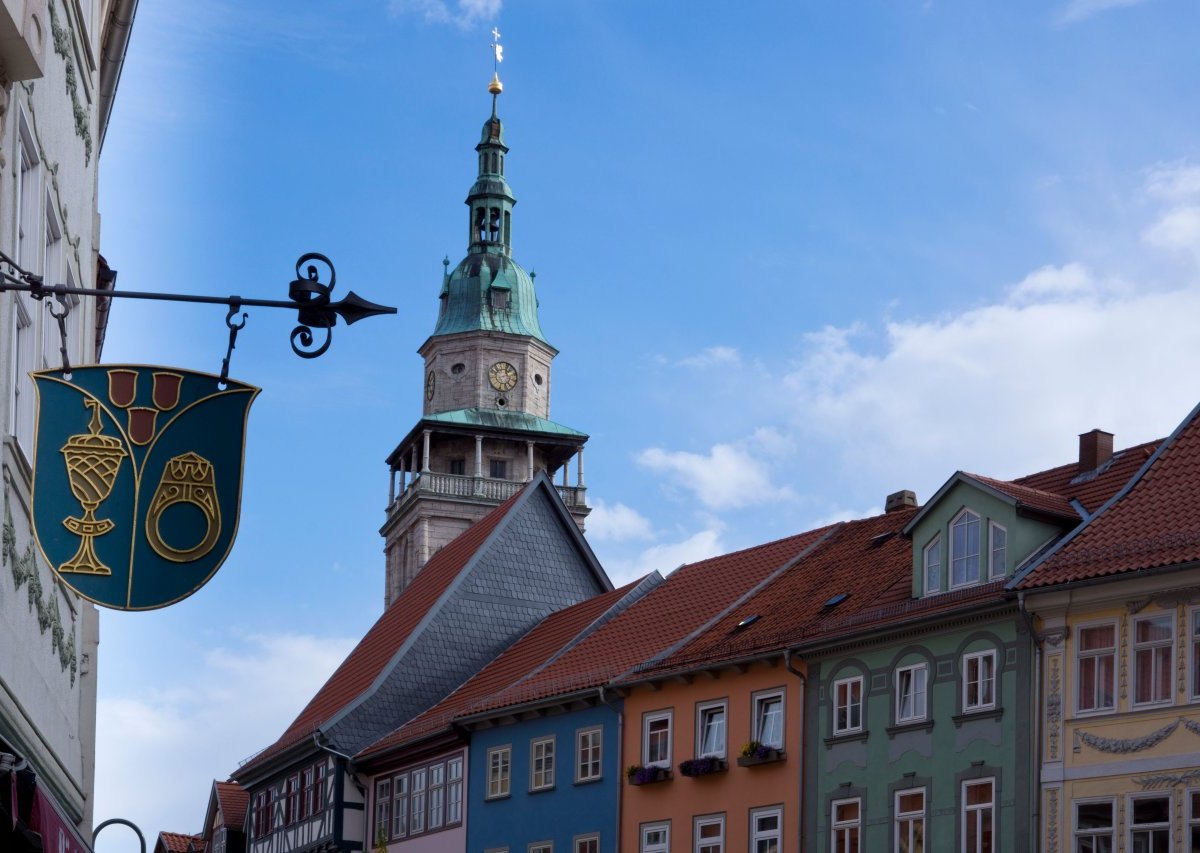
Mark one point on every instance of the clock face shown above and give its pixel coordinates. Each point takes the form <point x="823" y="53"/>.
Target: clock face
<point x="429" y="382"/>
<point x="503" y="376"/>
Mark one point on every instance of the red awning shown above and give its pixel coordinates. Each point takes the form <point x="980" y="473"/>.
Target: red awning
<point x="59" y="835"/>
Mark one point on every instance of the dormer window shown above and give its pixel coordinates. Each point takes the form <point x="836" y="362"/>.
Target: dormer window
<point x="998" y="560"/>
<point x="933" y="565"/>
<point x="964" y="549"/>
<point x="500" y="299"/>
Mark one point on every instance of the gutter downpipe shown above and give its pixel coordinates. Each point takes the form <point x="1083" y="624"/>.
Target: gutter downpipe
<point x="620" y="762"/>
<point x="787" y="663"/>
<point x="344" y="765"/>
<point x="1036" y="722"/>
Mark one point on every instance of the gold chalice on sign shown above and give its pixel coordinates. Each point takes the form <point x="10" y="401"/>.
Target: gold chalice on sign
<point x="92" y="463"/>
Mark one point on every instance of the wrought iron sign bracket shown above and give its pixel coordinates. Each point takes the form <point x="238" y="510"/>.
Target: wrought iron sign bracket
<point x="307" y="295"/>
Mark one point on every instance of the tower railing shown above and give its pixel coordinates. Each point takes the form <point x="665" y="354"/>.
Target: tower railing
<point x="484" y="488"/>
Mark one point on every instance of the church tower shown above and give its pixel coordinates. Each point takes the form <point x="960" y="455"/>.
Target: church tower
<point x="485" y="428"/>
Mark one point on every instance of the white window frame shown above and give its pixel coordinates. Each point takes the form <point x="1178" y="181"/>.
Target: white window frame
<point x="646" y="846"/>
<point x="1194" y="653"/>
<point x="586" y="741"/>
<point x="1003" y="569"/>
<point x="967" y="659"/>
<point x="922" y="694"/>
<point x="1135" y="647"/>
<point x="1193" y="806"/>
<point x="27" y="240"/>
<point x="499" y="772"/>
<point x="647" y="720"/>
<point x="971" y="813"/>
<point x="758" y="703"/>
<point x="541" y="777"/>
<point x="850" y="727"/>
<point x="757" y="835"/>
<point x="840" y="840"/>
<point x="1082" y="655"/>
<point x="906" y="823"/>
<point x="23" y="353"/>
<point x="541" y="847"/>
<point x="977" y="556"/>
<point x="400" y="805"/>
<point x="435" y="797"/>
<point x="933" y="584"/>
<point x="578" y="843"/>
<point x="383" y="810"/>
<point x="1093" y="834"/>
<point x="706" y="711"/>
<point x="418" y="798"/>
<point x="710" y="844"/>
<point x="455" y="767"/>
<point x="1131" y="828"/>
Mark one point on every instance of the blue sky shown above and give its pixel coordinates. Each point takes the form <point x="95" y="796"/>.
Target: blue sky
<point x="796" y="256"/>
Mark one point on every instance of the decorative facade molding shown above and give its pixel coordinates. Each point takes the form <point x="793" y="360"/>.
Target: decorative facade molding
<point x="63" y="39"/>
<point x="1054" y="708"/>
<point x="1052" y="822"/>
<point x="25" y="571"/>
<point x="1166" y="780"/>
<point x="1056" y="636"/>
<point x="1122" y="746"/>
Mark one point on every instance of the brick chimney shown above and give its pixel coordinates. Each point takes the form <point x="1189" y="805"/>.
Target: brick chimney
<point x="1095" y="448"/>
<point x="902" y="500"/>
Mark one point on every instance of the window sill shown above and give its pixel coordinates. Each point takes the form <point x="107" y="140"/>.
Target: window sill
<point x="981" y="714"/>
<point x="591" y="781"/>
<point x="649" y="776"/>
<point x="925" y="725"/>
<point x="497" y="797"/>
<point x="772" y="756"/>
<point x="847" y="737"/>
<point x="542" y="789"/>
<point x="704" y="766"/>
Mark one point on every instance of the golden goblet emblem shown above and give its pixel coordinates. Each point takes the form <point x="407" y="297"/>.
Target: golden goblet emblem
<point x="93" y="461"/>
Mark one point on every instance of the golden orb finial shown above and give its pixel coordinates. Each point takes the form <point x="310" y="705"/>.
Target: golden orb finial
<point x="495" y="87"/>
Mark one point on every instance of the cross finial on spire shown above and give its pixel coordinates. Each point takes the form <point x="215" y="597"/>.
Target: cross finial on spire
<point x="497" y="49"/>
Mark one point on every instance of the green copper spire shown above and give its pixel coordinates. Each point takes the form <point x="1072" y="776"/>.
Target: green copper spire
<point x="488" y="290"/>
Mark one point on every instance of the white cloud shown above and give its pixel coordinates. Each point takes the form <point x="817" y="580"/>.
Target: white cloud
<point x="461" y="13"/>
<point x="1177" y="229"/>
<point x="1173" y="180"/>
<point x="1080" y="10"/>
<point x="713" y="356"/>
<point x="159" y="750"/>
<point x="617" y="523"/>
<point x="727" y="476"/>
<point x="666" y="557"/>
<point x="1051" y="282"/>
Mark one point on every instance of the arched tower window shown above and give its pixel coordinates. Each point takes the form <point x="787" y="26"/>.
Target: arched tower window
<point x="507" y="228"/>
<point x="481" y="223"/>
<point x="495" y="163"/>
<point x="494" y="225"/>
<point x="501" y="164"/>
<point x="482" y="163"/>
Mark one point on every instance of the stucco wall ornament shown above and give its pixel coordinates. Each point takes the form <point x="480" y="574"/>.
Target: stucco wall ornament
<point x="1191" y="725"/>
<point x="1052" y="823"/>
<point x="1054" y="708"/>
<point x="1166" y="780"/>
<point x="1123" y="746"/>
<point x="25" y="571"/>
<point x="62" y="46"/>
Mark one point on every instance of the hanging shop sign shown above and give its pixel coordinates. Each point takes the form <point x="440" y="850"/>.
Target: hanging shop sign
<point x="137" y="469"/>
<point x="148" y="461"/>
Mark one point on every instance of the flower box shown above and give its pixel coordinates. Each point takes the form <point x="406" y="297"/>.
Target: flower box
<point x="762" y="755"/>
<point x="702" y="766"/>
<point x="638" y="775"/>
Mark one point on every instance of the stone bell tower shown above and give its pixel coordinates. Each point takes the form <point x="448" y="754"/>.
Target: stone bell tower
<point x="485" y="428"/>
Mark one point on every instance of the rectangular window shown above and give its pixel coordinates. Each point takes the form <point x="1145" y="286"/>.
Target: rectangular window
<point x="588" y="752"/>
<point x="437" y="795"/>
<point x="933" y="566"/>
<point x="587" y="844"/>
<point x="1194" y="820"/>
<point x="846" y="825"/>
<point x="499" y="770"/>
<point x="910" y="693"/>
<point x="416" y="810"/>
<point x="847" y="705"/>
<point x="306" y="785"/>
<point x="964" y="549"/>
<point x="766" y="831"/>
<point x="656" y="739"/>
<point x="710" y="730"/>
<point x="291" y="806"/>
<point x="541" y="847"/>
<point x="1096" y="646"/>
<point x="768" y="720"/>
<point x="709" y="834"/>
<point x="979" y="680"/>
<point x="978" y="817"/>
<point x="910" y="821"/>
<point x="454" y="790"/>
<point x="383" y="809"/>
<point x="1153" y="648"/>
<point x="458" y="466"/>
<point x="656" y="838"/>
<point x="1150" y="824"/>
<point x="498" y="469"/>
<point x="400" y="806"/>
<point x="261" y="822"/>
<point x="998" y="560"/>
<point x="319" y="791"/>
<point x="1094" y="827"/>
<point x="1195" y="646"/>
<point x="541" y="764"/>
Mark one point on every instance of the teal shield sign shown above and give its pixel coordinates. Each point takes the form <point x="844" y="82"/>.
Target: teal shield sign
<point x="137" y="479"/>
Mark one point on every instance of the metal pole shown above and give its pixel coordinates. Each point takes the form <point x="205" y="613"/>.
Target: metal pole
<point x="123" y="822"/>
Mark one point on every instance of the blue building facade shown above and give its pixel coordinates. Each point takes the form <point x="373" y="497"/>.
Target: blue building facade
<point x="562" y="768"/>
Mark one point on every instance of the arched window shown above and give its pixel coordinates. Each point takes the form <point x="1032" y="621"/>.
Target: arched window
<point x="495" y="163"/>
<point x="507" y="228"/>
<point x="964" y="549"/>
<point x="494" y="225"/>
<point x="481" y="223"/>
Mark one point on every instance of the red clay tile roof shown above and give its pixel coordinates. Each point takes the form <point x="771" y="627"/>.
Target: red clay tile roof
<point x="177" y="842"/>
<point x="375" y="650"/>
<point x="233" y="800"/>
<point x="866" y="560"/>
<point x="691" y="596"/>
<point x="1093" y="488"/>
<point x="518" y="661"/>
<point x="1156" y="523"/>
<point x="1036" y="499"/>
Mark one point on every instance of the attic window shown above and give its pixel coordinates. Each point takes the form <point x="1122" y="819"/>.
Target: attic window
<point x="836" y="600"/>
<point x="500" y="300"/>
<point x="747" y="622"/>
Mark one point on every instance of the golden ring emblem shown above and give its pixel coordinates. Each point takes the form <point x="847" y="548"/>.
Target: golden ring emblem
<point x="186" y="479"/>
